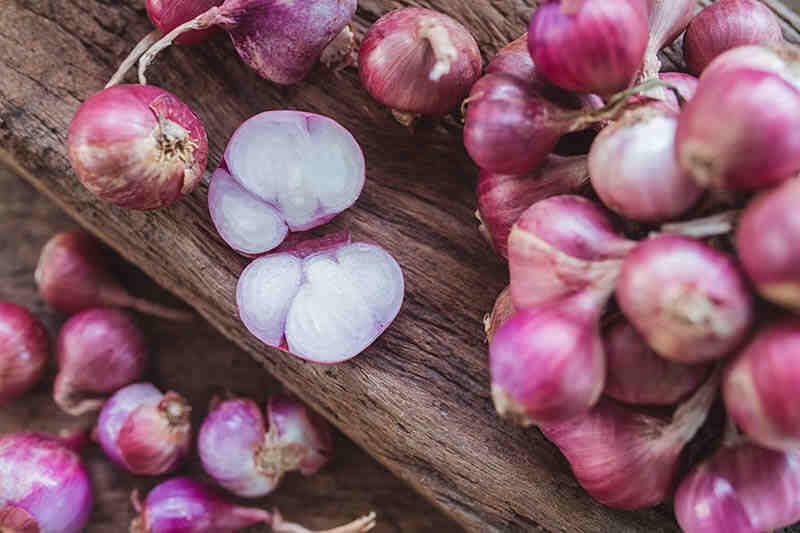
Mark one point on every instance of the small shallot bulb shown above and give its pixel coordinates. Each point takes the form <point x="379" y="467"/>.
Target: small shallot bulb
<point x="144" y="431"/>
<point x="639" y="376"/>
<point x="249" y="457"/>
<point x="502" y="311"/>
<point x="761" y="145"/>
<point x="627" y="459"/>
<point x="137" y="146"/>
<point x="72" y="276"/>
<point x="589" y="46"/>
<point x="690" y="301"/>
<point x="419" y="61"/>
<point x="781" y="59"/>
<point x="741" y="489"/>
<point x="99" y="351"/>
<point x="166" y="15"/>
<point x="547" y="363"/>
<point x="324" y="300"/>
<point x="24" y="348"/>
<point x="44" y="486"/>
<point x="760" y="386"/>
<point x="316" y="171"/>
<point x="502" y="198"/>
<point x="767" y="240"/>
<point x="559" y="247"/>
<point x="183" y="505"/>
<point x="667" y="19"/>
<point x="724" y="25"/>
<point x="634" y="169"/>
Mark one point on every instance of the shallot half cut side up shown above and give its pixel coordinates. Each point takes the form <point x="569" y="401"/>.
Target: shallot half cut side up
<point x="137" y="146"/>
<point x="182" y="504"/>
<point x="418" y="61"/>
<point x="325" y="301"/>
<point x="24" y="349"/>
<point x="283" y="171"/>
<point x="249" y="456"/>
<point x="281" y="41"/>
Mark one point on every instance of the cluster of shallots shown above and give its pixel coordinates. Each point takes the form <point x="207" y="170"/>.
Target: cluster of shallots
<point x="597" y="327"/>
<point x="44" y="485"/>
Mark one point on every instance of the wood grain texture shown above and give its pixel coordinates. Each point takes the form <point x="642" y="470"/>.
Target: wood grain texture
<point x="418" y="399"/>
<point x="198" y="362"/>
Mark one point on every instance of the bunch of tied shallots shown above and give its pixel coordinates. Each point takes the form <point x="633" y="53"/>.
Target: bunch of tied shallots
<point x="101" y="354"/>
<point x="599" y="331"/>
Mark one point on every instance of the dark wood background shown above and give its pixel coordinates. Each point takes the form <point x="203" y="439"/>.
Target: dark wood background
<point x="418" y="399"/>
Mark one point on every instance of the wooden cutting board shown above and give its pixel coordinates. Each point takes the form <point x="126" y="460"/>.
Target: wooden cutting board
<point x="418" y="399"/>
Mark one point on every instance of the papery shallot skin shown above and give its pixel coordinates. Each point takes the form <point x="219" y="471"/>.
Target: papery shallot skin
<point x="741" y="489"/>
<point x="761" y="383"/>
<point x="44" y="486"/>
<point x="667" y="19"/>
<point x="137" y="146"/>
<point x="24" y="349"/>
<point x="280" y="40"/>
<point x="166" y="15"/>
<point x="419" y="61"/>
<point x="589" y="46"/>
<point x="724" y="25"/>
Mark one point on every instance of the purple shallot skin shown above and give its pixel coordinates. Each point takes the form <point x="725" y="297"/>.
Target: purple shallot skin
<point x="24" y="349"/>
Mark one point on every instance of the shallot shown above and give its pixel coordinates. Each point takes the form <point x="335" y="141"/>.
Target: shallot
<point x="690" y="301"/>
<point x="502" y="198"/>
<point x="781" y="59"/>
<point x="72" y="276"/>
<point x="589" y="46"/>
<point x="627" y="459"/>
<point x="634" y="169"/>
<point x="418" y="61"/>
<point x="186" y="506"/>
<point x="559" y="247"/>
<point x="144" y="431"/>
<point x="24" y="348"/>
<point x="639" y="376"/>
<point x="766" y="241"/>
<point x="324" y="300"/>
<point x="249" y="457"/>
<point x="751" y="101"/>
<point x="724" y="25"/>
<point x="279" y="40"/>
<point x="760" y="386"/>
<point x="44" y="486"/>
<point x="137" y="146"/>
<point x="99" y="351"/>
<point x="283" y="171"/>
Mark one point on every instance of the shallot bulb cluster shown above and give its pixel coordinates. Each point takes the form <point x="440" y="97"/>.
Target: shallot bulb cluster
<point x="249" y="456"/>
<point x="24" y="349"/>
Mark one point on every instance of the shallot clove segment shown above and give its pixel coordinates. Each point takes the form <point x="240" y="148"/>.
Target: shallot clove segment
<point x="325" y="307"/>
<point x="284" y="171"/>
<point x="24" y="349"/>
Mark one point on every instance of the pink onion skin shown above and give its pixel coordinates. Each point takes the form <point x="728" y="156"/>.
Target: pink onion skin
<point x="751" y="101"/>
<point x="24" y="349"/>
<point x="99" y="351"/>
<point x="666" y="20"/>
<point x="559" y="247"/>
<point x="724" y="25"/>
<point x="502" y="310"/>
<point x="781" y="59"/>
<point x="547" y="363"/>
<point x="45" y="486"/>
<point x="137" y="146"/>
<point x="502" y="198"/>
<point x="144" y="431"/>
<point x="766" y="242"/>
<point x="627" y="459"/>
<point x="690" y="301"/>
<point x="686" y="84"/>
<point x="166" y="15"/>
<point x="634" y="169"/>
<point x="639" y="376"/>
<point x="760" y="386"/>
<point x="419" y="61"/>
<point x="741" y="489"/>
<point x="591" y="46"/>
<point x="248" y="457"/>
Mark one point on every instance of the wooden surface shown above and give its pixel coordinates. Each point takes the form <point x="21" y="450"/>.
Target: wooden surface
<point x="418" y="400"/>
<point x="198" y="362"/>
